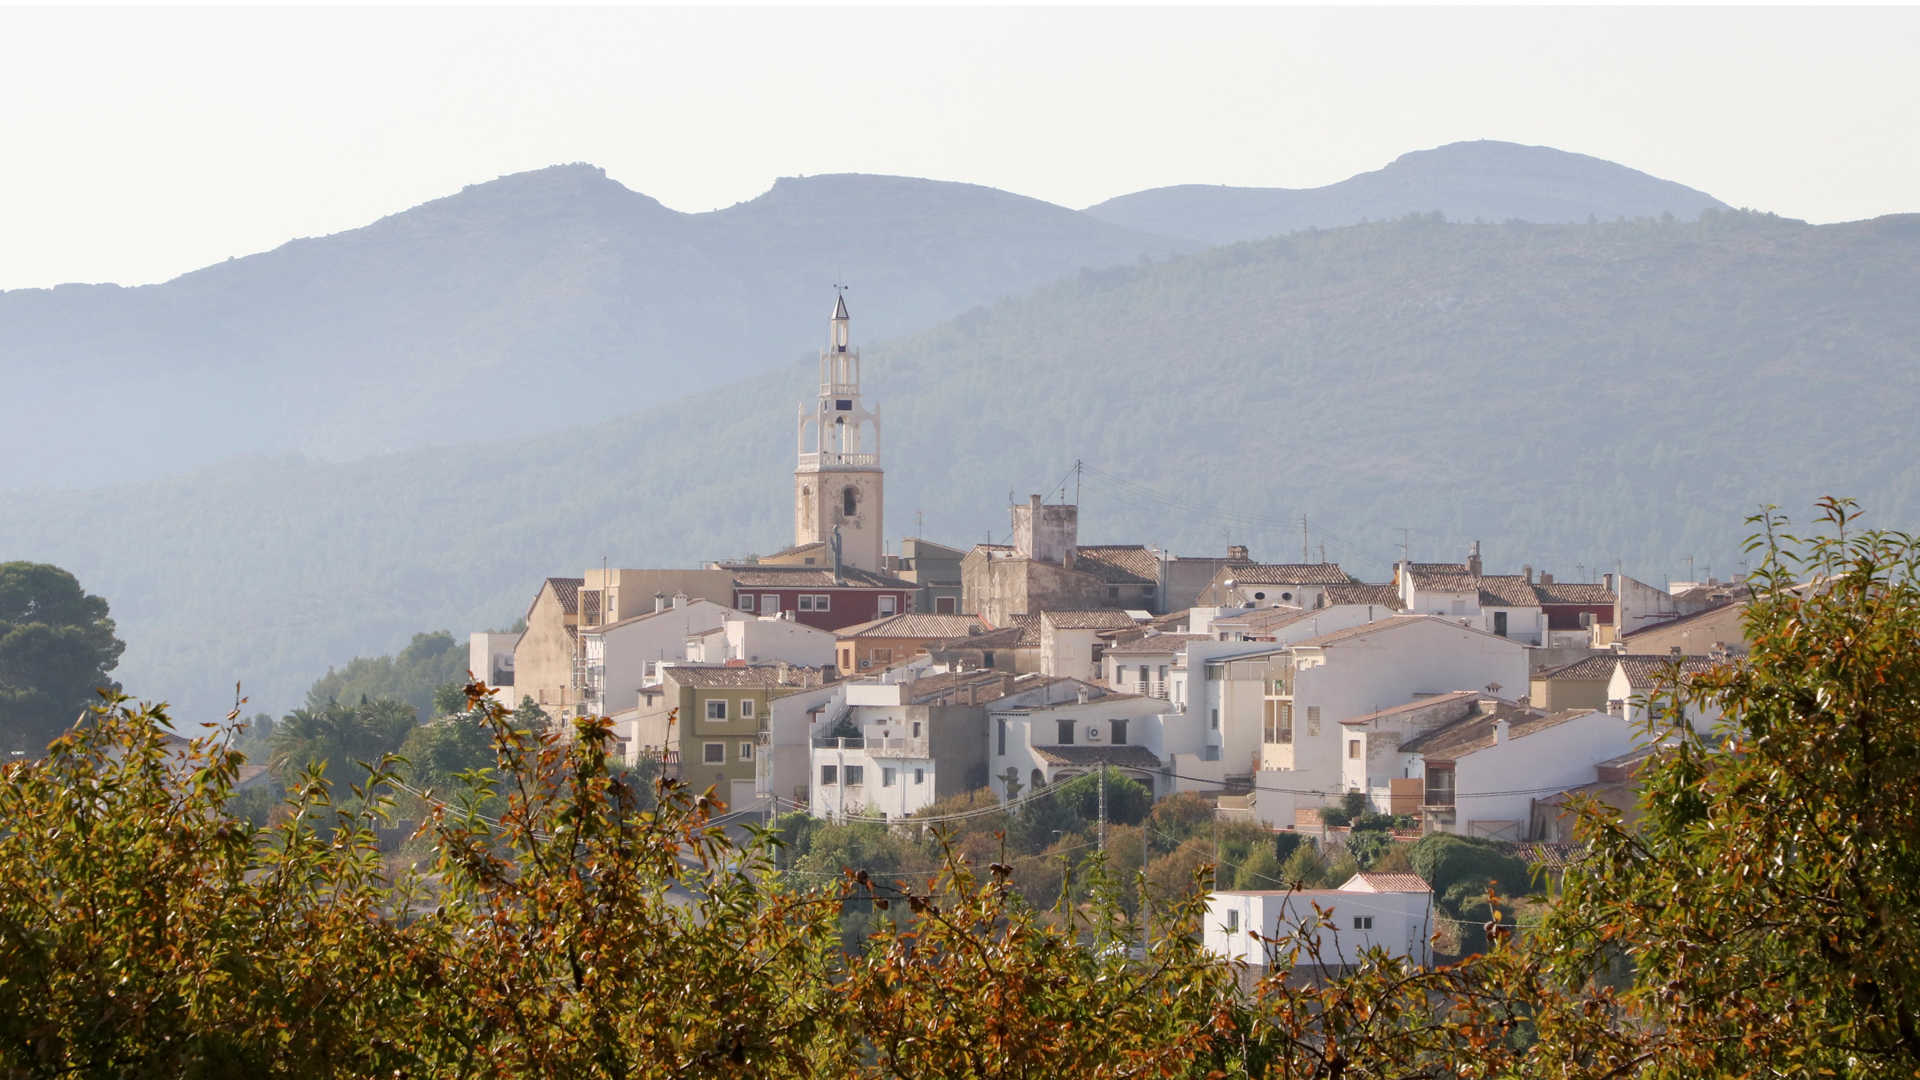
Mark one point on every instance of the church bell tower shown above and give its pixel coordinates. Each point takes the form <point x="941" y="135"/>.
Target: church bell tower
<point x="837" y="486"/>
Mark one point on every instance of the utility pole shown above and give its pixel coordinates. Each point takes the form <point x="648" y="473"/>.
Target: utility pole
<point x="1406" y="546"/>
<point x="1103" y="808"/>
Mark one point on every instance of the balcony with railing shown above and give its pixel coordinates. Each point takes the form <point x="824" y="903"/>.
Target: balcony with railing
<point x="902" y="746"/>
<point x="828" y="459"/>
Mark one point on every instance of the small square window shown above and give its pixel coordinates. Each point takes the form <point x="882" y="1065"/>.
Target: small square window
<point x="769" y="603"/>
<point x="829" y="776"/>
<point x="889" y="605"/>
<point x="886" y="777"/>
<point x="746" y="752"/>
<point x="714" y="753"/>
<point x="856" y="775"/>
<point x="1353" y="749"/>
<point x="1233" y="920"/>
<point x="822" y="603"/>
<point x="717" y="709"/>
<point x="1363" y="922"/>
<point x="746" y="708"/>
<point x="806" y="601"/>
<point x="745" y="602"/>
<point x="919" y="776"/>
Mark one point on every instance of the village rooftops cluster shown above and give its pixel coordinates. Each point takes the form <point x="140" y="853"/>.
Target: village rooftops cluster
<point x="847" y="676"/>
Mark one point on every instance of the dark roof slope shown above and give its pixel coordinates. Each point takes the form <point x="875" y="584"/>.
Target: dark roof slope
<point x="1092" y="619"/>
<point x="916" y="624"/>
<point x="1124" y="757"/>
<point x="1354" y="592"/>
<point x="755" y="575"/>
<point x="740" y="676"/>
<point x="1287" y="574"/>
<point x="1573" y="592"/>
<point x="1155" y="645"/>
<point x="1118" y="564"/>
<point x="1643" y="669"/>
<point x="1475" y="733"/>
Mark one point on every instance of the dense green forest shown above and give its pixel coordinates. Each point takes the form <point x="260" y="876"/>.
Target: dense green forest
<point x="1576" y="397"/>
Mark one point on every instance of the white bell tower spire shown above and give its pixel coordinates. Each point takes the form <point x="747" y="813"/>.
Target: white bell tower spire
<point x="838" y="483"/>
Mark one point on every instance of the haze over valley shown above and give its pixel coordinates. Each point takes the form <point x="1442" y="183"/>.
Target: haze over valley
<point x="311" y="453"/>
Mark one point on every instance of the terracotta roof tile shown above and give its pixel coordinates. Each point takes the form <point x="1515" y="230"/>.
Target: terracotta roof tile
<point x="1124" y="757"/>
<point x="1092" y="619"/>
<point x="1573" y="592"/>
<point x="1118" y="564"/>
<point x="1155" y="645"/>
<point x="1475" y="733"/>
<point x="1413" y="883"/>
<point x="1361" y="593"/>
<point x="568" y="591"/>
<point x="916" y="625"/>
<point x="742" y="676"/>
<point x="1287" y="574"/>
<point x="758" y="575"/>
<point x="1642" y="668"/>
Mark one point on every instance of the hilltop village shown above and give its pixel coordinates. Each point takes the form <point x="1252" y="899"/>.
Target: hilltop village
<point x="844" y="680"/>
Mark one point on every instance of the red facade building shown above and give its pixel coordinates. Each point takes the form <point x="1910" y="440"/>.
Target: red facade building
<point x="818" y="597"/>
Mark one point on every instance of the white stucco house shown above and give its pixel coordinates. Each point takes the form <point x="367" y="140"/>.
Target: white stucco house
<point x="902" y="741"/>
<point x="1311" y="686"/>
<point x="1070" y="641"/>
<point x="762" y="639"/>
<point x="1637" y="679"/>
<point x="621" y="657"/>
<point x="1480" y="775"/>
<point x="1066" y="727"/>
<point x="1504" y="605"/>
<point x="1326" y="928"/>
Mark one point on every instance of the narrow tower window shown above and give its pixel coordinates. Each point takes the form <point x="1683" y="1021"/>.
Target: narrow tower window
<point x="848" y="500"/>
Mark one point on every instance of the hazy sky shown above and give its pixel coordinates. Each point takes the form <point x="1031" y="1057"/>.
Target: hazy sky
<point x="141" y="143"/>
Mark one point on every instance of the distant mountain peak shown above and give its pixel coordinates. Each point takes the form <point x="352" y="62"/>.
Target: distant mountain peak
<point x="1483" y="179"/>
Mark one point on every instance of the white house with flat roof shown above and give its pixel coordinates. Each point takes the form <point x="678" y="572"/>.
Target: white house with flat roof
<point x="762" y="639"/>
<point x="1325" y="928"/>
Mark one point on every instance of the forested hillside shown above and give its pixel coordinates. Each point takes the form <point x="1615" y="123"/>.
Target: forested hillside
<point x="1573" y="396"/>
<point x="547" y="300"/>
<point x="536" y="302"/>
<point x="1469" y="181"/>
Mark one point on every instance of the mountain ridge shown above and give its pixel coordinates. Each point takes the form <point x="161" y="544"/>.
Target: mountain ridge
<point x="1538" y="184"/>
<point x="1576" y="397"/>
<point x="493" y="300"/>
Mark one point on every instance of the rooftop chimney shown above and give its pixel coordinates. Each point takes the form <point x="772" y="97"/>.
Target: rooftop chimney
<point x="1473" y="559"/>
<point x="1527" y="572"/>
<point x="1238" y="553"/>
<point x="1546" y="578"/>
<point x="1080" y="695"/>
<point x="659" y="602"/>
<point x="1607" y="580"/>
<point x="1499" y="730"/>
<point x="679" y="599"/>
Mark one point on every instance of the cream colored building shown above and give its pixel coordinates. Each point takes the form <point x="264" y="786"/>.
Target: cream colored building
<point x="543" y="657"/>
